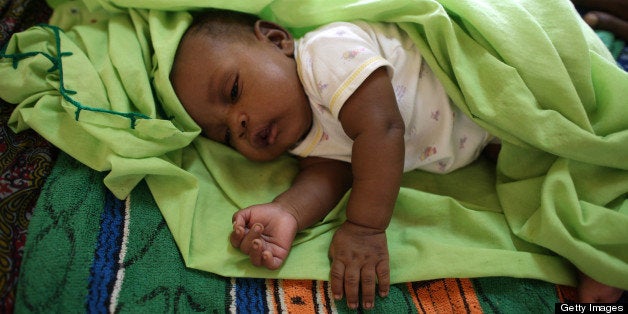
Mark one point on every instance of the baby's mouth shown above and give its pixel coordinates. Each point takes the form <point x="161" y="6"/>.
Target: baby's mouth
<point x="265" y="136"/>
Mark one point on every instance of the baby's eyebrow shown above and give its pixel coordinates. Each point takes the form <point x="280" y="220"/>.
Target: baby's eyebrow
<point x="215" y="84"/>
<point x="214" y="89"/>
<point x="224" y="85"/>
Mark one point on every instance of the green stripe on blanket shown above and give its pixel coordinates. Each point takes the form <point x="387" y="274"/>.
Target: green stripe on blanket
<point x="68" y="266"/>
<point x="529" y="71"/>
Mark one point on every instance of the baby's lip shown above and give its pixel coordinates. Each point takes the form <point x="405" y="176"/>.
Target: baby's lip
<point x="265" y="136"/>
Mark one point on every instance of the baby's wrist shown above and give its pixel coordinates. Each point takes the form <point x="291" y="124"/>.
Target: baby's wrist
<point x="362" y="228"/>
<point x="292" y="210"/>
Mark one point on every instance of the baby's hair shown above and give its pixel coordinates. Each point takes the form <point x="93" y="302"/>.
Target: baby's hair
<point x="217" y="23"/>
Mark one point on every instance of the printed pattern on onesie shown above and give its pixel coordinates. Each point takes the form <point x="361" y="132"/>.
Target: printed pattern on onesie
<point x="334" y="60"/>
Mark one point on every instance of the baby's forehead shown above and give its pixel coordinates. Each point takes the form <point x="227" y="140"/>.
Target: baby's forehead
<point x="210" y="41"/>
<point x="196" y="45"/>
<point x="224" y="26"/>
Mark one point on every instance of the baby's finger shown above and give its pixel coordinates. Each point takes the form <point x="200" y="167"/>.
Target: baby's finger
<point x="254" y="233"/>
<point x="616" y="7"/>
<point x="605" y="21"/>
<point x="270" y="261"/>
<point x="367" y="280"/>
<point x="337" y="279"/>
<point x="241" y="217"/>
<point x="256" y="252"/>
<point x="352" y="286"/>
<point x="237" y="235"/>
<point x="383" y="278"/>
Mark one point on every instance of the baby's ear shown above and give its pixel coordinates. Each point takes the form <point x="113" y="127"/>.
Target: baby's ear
<point x="276" y="34"/>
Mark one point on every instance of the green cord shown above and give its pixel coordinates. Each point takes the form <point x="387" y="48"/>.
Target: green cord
<point x="57" y="65"/>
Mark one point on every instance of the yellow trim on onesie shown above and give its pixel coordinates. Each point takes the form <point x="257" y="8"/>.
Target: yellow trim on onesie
<point x="358" y="71"/>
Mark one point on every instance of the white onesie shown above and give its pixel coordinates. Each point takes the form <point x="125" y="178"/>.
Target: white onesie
<point x="334" y="60"/>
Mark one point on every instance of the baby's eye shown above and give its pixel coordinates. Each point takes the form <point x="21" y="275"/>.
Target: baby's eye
<point x="228" y="137"/>
<point x="234" y="91"/>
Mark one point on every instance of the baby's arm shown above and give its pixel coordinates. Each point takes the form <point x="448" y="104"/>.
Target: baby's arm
<point x="265" y="232"/>
<point x="359" y="249"/>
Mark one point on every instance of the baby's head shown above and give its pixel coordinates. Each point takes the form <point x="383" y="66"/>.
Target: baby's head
<point x="236" y="76"/>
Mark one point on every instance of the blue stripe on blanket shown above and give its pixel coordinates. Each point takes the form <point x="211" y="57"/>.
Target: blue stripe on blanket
<point x="251" y="296"/>
<point x="105" y="266"/>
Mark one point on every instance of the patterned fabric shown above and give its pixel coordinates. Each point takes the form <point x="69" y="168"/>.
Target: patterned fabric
<point x="25" y="161"/>
<point x="89" y="251"/>
<point x="18" y="15"/>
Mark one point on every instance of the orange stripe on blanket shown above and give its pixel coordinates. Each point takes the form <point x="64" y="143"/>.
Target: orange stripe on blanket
<point x="298" y="296"/>
<point x="444" y="296"/>
<point x="304" y="296"/>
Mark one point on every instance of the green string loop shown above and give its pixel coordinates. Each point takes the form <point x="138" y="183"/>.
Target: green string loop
<point x="57" y="65"/>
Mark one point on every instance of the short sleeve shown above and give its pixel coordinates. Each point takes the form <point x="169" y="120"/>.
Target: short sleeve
<point x="333" y="61"/>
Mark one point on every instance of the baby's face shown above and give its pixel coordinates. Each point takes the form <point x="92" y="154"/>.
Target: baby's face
<point x="245" y="95"/>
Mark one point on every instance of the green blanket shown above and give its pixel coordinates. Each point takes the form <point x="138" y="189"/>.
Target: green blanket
<point x="529" y="71"/>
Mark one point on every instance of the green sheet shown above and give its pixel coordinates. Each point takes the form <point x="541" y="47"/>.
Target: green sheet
<point x="529" y="71"/>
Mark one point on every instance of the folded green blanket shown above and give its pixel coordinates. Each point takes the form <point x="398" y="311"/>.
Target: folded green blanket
<point x="529" y="71"/>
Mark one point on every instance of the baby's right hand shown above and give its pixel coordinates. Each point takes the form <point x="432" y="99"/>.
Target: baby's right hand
<point x="265" y="233"/>
<point x="359" y="260"/>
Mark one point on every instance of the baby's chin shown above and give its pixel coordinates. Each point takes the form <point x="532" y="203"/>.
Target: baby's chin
<point x="265" y="156"/>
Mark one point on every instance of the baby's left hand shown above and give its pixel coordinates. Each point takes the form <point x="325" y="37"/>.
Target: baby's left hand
<point x="359" y="258"/>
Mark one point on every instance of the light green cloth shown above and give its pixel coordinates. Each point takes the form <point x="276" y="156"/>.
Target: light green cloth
<point x="529" y="71"/>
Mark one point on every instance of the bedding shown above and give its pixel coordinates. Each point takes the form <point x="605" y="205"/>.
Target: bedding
<point x="118" y="115"/>
<point x="89" y="251"/>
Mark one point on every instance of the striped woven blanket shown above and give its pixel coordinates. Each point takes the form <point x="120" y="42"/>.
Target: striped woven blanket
<point x="90" y="252"/>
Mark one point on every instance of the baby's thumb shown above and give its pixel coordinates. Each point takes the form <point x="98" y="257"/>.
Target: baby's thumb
<point x="241" y="217"/>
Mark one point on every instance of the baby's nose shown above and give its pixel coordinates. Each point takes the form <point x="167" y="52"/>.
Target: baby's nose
<point x="243" y="120"/>
<point x="242" y="123"/>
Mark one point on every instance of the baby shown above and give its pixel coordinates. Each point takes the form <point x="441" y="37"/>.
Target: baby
<point x="357" y="104"/>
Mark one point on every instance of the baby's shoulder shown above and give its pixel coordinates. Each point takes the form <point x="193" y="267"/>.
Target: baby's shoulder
<point x="376" y="33"/>
<point x="340" y="28"/>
